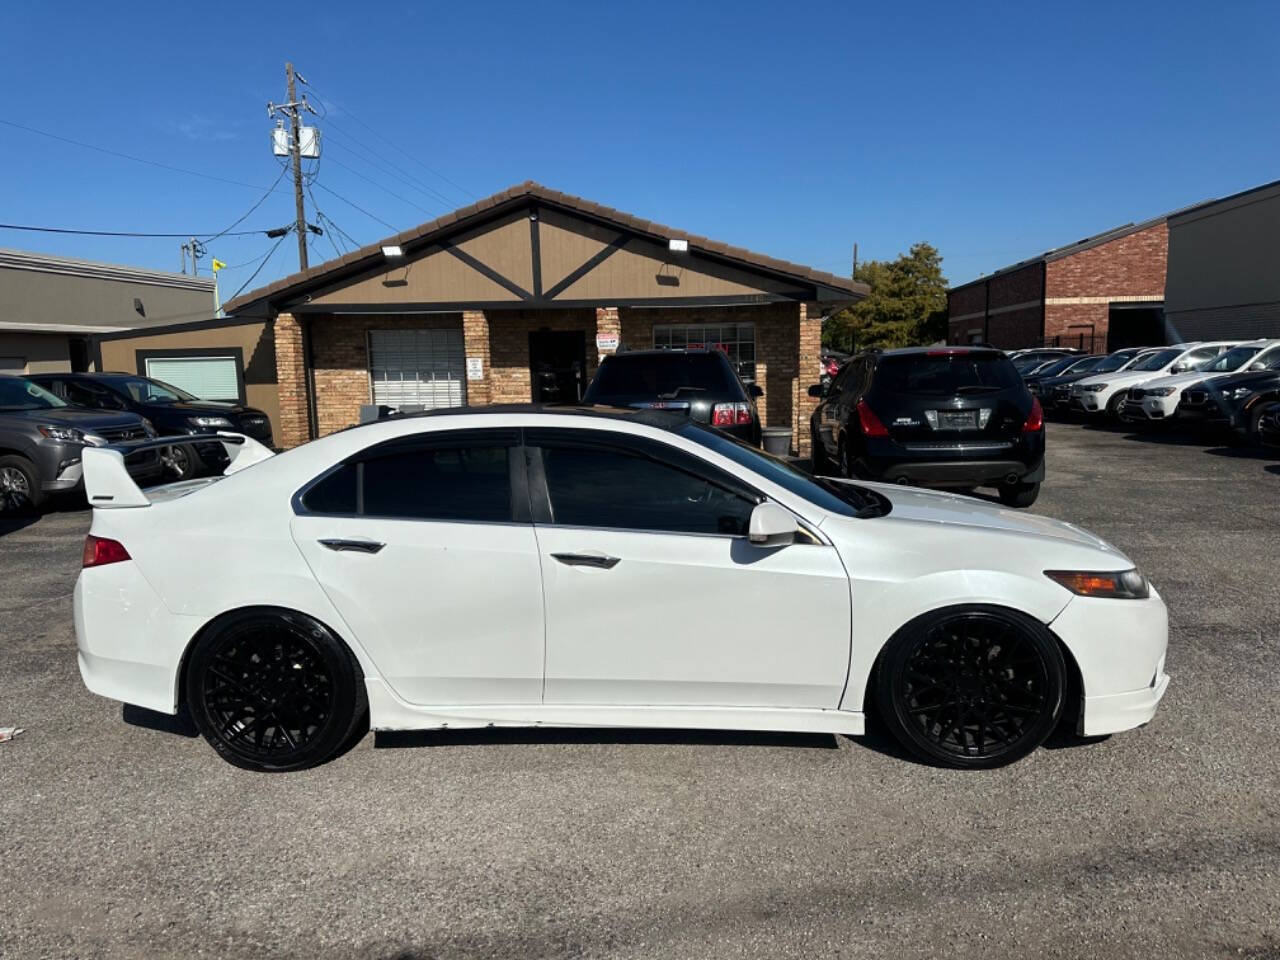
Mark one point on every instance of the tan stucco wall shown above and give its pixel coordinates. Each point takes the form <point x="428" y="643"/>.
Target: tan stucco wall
<point x="254" y="338"/>
<point x="42" y="352"/>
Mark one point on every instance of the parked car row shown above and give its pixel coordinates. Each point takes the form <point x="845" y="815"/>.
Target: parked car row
<point x="1228" y="384"/>
<point x="46" y="421"/>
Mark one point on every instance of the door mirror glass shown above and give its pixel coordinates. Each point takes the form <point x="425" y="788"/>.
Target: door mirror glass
<point x="817" y="390"/>
<point x="772" y="526"/>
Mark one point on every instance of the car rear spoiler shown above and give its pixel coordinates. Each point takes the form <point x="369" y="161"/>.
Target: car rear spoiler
<point x="108" y="485"/>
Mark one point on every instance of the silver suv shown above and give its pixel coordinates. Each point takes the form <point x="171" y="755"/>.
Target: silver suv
<point x="41" y="438"/>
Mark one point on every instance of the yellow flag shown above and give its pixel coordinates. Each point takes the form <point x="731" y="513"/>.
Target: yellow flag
<point x="217" y="264"/>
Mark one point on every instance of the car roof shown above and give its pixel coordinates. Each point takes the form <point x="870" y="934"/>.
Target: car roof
<point x="672" y="352"/>
<point x="958" y="349"/>
<point x="662" y="419"/>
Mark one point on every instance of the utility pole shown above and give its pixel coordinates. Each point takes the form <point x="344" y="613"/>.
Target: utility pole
<point x="297" y="168"/>
<point x="854" y="275"/>
<point x="293" y="110"/>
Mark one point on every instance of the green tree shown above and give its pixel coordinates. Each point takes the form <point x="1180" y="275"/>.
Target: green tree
<point x="907" y="305"/>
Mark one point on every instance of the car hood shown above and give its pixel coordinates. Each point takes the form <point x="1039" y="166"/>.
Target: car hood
<point x="1230" y="381"/>
<point x="210" y="408"/>
<point x="957" y="512"/>
<point x="1063" y="378"/>
<point x="1123" y="378"/>
<point x="1181" y="379"/>
<point x="81" y="417"/>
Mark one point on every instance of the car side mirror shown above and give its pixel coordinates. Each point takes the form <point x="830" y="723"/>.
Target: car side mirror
<point x="1257" y="366"/>
<point x="755" y="390"/>
<point x="1180" y="368"/>
<point x="817" y="390"/>
<point x="772" y="526"/>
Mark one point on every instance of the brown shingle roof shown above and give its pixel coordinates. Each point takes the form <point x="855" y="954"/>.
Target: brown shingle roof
<point x="531" y="190"/>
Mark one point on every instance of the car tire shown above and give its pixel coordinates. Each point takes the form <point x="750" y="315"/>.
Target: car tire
<point x="181" y="462"/>
<point x="274" y="690"/>
<point x="20" y="491"/>
<point x="1018" y="494"/>
<point x="1254" y="435"/>
<point x="1115" y="407"/>
<point x="971" y="687"/>
<point x="844" y="467"/>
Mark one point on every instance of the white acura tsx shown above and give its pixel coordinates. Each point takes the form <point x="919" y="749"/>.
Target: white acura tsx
<point x="519" y="567"/>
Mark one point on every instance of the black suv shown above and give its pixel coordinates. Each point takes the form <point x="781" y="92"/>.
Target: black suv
<point x="42" y="438"/>
<point x="173" y="412"/>
<point x="700" y="383"/>
<point x="934" y="416"/>
<point x="1233" y="401"/>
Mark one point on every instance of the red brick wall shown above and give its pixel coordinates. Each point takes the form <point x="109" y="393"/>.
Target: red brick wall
<point x="291" y="381"/>
<point x="509" y="347"/>
<point x="1014" y="308"/>
<point x="1129" y="267"/>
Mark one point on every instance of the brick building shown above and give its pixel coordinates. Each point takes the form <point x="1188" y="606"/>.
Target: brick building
<point x="516" y="298"/>
<point x="1102" y="293"/>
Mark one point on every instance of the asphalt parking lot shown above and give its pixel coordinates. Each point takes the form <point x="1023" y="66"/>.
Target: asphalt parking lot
<point x="121" y="839"/>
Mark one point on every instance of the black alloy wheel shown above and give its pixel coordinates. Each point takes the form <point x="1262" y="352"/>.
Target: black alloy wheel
<point x="972" y="687"/>
<point x="273" y="690"/>
<point x="177" y="461"/>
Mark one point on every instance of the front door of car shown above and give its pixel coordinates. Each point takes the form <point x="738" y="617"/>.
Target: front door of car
<point x="837" y="405"/>
<point x="425" y="548"/>
<point x="654" y="595"/>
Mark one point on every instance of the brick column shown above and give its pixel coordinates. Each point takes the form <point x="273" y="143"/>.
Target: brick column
<point x="608" y="321"/>
<point x="475" y="339"/>
<point x="291" y="381"/>
<point x="810" y="337"/>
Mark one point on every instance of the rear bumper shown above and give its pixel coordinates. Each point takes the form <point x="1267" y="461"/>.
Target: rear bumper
<point x="970" y="465"/>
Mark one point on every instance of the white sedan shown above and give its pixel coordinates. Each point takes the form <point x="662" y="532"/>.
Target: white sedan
<point x="522" y="567"/>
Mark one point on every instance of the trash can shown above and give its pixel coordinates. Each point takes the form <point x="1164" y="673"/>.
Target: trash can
<point x="777" y="440"/>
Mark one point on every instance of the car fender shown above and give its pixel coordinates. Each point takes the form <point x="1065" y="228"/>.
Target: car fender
<point x="883" y="604"/>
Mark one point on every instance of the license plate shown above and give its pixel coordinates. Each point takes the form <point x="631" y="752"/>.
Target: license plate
<point x="957" y="419"/>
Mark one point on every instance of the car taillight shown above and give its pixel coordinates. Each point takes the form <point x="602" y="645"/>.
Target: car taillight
<point x="870" y="423"/>
<point x="1035" y="420"/>
<point x="728" y="414"/>
<point x="100" y="550"/>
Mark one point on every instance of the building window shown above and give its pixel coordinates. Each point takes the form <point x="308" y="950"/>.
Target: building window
<point x="426" y="367"/>
<point x="738" y="340"/>
<point x="217" y="376"/>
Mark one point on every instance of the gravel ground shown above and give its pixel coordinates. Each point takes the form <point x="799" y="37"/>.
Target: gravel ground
<point x="127" y="840"/>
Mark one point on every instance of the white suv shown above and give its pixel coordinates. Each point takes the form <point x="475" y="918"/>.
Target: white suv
<point x="1107" y="392"/>
<point x="1158" y="399"/>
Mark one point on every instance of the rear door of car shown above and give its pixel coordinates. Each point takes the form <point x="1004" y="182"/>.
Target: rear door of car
<point x="425" y="547"/>
<point x="654" y="596"/>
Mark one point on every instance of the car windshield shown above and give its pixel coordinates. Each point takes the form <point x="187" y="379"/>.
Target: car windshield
<point x="19" y="394"/>
<point x="1157" y="361"/>
<point x="1115" y="361"/>
<point x="843" y="499"/>
<point x="144" y="390"/>
<point x="1271" y="358"/>
<point x="1057" y="366"/>
<point x="1083" y="365"/>
<point x="943" y="373"/>
<point x="1233" y="359"/>
<point x="658" y="375"/>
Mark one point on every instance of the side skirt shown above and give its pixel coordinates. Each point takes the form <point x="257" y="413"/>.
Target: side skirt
<point x="388" y="712"/>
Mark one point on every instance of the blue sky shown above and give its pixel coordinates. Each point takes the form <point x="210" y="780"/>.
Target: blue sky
<point x="993" y="131"/>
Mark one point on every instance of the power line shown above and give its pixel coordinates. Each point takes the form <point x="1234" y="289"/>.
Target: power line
<point x="265" y="261"/>
<point x="381" y="187"/>
<point x="124" y="233"/>
<point x="355" y="206"/>
<point x="126" y="156"/>
<point x="400" y="174"/>
<point x="401" y="149"/>
<point x="245" y="215"/>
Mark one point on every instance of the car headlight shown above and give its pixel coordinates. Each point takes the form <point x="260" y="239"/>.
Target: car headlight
<point x="1095" y="387"/>
<point x="1239" y="393"/>
<point x="1119" y="584"/>
<point x="149" y="427"/>
<point x="1160" y="391"/>
<point x="209" y="422"/>
<point x="65" y="434"/>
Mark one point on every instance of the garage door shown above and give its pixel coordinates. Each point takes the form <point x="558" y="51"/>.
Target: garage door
<point x="209" y="378"/>
<point x="418" y="367"/>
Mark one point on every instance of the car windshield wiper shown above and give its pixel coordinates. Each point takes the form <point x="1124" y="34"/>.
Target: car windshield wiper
<point x="678" y="390"/>
<point x="978" y="388"/>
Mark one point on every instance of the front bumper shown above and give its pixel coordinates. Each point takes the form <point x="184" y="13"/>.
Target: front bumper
<point x="1156" y="408"/>
<point x="1089" y="402"/>
<point x="1120" y="648"/>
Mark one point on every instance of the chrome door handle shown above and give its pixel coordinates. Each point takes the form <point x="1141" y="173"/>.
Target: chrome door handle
<point x="598" y="560"/>
<point x="354" y="546"/>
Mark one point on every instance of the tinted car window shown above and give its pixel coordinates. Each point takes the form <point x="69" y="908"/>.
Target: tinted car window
<point x="594" y="486"/>
<point x="91" y="395"/>
<point x="430" y="483"/>
<point x="1156" y="361"/>
<point x="657" y="375"/>
<point x="944" y="374"/>
<point x="19" y="394"/>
